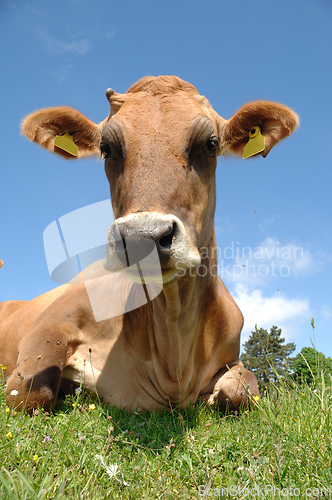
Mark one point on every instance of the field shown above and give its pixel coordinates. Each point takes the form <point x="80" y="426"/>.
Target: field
<point x="83" y="449"/>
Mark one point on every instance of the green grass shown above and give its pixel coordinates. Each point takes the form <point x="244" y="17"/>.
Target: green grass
<point x="284" y="442"/>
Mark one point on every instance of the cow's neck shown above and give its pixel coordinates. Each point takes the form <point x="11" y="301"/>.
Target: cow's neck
<point x="176" y="320"/>
<point x="174" y="324"/>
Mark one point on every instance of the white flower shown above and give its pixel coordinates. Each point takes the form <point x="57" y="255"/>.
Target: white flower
<point x="14" y="392"/>
<point x="78" y="390"/>
<point x="111" y="470"/>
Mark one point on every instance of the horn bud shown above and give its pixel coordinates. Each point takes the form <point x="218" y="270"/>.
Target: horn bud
<point x="116" y="100"/>
<point x="109" y="93"/>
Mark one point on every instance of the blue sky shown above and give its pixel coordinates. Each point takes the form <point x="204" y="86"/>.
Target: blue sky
<point x="69" y="52"/>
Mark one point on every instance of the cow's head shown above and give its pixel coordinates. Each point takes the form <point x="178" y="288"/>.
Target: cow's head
<point x="160" y="143"/>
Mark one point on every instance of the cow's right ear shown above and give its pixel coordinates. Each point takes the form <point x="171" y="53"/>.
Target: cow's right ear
<point x="45" y="125"/>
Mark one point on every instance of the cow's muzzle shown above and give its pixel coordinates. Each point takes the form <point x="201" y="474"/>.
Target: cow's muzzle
<point x="159" y="240"/>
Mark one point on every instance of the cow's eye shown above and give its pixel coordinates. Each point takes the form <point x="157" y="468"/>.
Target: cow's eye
<point x="212" y="144"/>
<point x="105" y="150"/>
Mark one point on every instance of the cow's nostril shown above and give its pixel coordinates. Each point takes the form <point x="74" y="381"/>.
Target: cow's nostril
<point x="135" y="242"/>
<point x="165" y="242"/>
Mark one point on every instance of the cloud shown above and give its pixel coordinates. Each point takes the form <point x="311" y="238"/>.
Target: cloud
<point x="267" y="311"/>
<point x="76" y="47"/>
<point x="223" y="226"/>
<point x="265" y="224"/>
<point x="257" y="266"/>
<point x="326" y="312"/>
<point x="110" y="34"/>
<point x="62" y="71"/>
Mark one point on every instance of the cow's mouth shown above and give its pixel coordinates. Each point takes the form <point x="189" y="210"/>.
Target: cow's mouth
<point x="156" y="276"/>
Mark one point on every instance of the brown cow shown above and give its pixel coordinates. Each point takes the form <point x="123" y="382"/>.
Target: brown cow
<point x="160" y="144"/>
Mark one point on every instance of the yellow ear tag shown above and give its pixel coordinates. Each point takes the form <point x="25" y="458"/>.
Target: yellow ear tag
<point x="256" y="143"/>
<point x="66" y="143"/>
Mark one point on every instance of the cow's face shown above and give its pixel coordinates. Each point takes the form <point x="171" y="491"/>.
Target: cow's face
<point x="160" y="158"/>
<point x="160" y="144"/>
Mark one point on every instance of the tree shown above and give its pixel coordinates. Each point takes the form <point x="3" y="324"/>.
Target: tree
<point x="264" y="355"/>
<point x="309" y="364"/>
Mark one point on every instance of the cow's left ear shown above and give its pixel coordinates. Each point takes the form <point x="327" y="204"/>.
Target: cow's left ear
<point x="274" y="120"/>
<point x="64" y="131"/>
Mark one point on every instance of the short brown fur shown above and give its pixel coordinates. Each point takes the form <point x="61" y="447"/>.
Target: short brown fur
<point x="164" y="138"/>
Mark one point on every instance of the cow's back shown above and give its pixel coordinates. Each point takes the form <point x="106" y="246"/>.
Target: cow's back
<point x="8" y="307"/>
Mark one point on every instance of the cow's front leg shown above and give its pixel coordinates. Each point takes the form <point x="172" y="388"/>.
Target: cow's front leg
<point x="36" y="379"/>
<point x="232" y="388"/>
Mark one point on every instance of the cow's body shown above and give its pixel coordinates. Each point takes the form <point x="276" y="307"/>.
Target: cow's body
<point x="160" y="142"/>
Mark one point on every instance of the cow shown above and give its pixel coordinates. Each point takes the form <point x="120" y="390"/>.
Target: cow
<point x="160" y="144"/>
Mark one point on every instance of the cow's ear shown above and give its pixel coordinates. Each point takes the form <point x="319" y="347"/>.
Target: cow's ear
<point x="74" y="135"/>
<point x="274" y="120"/>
